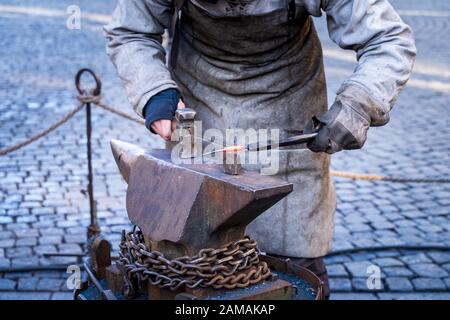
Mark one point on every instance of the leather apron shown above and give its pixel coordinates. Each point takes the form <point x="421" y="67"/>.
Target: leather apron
<point x="260" y="72"/>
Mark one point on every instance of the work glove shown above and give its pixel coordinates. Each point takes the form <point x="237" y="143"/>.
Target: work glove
<point x="160" y="110"/>
<point x="342" y="127"/>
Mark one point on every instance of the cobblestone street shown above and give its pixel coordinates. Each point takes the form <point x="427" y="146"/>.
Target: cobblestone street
<point x="42" y="209"/>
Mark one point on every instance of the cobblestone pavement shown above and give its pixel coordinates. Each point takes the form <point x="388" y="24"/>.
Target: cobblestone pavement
<point x="42" y="209"/>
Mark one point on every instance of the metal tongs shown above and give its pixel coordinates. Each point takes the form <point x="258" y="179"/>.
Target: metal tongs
<point x="290" y="141"/>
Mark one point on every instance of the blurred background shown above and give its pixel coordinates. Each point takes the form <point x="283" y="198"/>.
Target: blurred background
<point x="42" y="209"/>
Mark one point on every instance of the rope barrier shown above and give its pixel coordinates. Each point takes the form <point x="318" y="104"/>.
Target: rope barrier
<point x="44" y="132"/>
<point x="93" y="96"/>
<point x="389" y="248"/>
<point x="119" y="113"/>
<point x="372" y="177"/>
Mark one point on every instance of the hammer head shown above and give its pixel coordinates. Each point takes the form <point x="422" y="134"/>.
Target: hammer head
<point x="184" y="208"/>
<point x="185" y="114"/>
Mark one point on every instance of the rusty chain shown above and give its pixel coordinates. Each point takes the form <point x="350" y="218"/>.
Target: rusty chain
<point x="235" y="265"/>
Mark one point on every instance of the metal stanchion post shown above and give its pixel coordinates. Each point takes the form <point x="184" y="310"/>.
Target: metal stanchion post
<point x="94" y="227"/>
<point x="88" y="97"/>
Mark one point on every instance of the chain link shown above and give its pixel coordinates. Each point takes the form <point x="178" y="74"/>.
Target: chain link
<point x="235" y="265"/>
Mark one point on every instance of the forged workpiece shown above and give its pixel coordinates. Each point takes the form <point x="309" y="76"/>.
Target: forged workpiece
<point x="232" y="163"/>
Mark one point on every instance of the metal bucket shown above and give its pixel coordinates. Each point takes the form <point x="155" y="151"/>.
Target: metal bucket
<point x="286" y="266"/>
<point x="95" y="289"/>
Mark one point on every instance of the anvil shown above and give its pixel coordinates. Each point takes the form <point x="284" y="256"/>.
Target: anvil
<point x="183" y="208"/>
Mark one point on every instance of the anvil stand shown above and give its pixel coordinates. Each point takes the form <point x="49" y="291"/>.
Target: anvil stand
<point x="99" y="268"/>
<point x="138" y="166"/>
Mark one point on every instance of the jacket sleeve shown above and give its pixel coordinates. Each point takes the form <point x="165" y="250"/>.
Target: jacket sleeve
<point x="385" y="50"/>
<point x="134" y="44"/>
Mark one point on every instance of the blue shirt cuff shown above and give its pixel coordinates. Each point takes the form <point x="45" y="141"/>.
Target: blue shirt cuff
<point x="161" y="106"/>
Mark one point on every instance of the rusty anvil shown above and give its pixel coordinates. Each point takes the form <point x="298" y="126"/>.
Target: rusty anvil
<point x="182" y="209"/>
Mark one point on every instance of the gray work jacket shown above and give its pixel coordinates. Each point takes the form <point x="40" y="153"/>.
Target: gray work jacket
<point x="383" y="42"/>
<point x="241" y="64"/>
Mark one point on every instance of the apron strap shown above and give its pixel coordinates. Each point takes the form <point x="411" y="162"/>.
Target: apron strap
<point x="291" y="11"/>
<point x="173" y="33"/>
<point x="179" y="4"/>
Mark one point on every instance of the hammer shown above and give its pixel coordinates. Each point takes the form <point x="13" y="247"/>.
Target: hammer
<point x="184" y="121"/>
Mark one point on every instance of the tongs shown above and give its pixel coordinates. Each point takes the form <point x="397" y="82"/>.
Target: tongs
<point x="289" y="141"/>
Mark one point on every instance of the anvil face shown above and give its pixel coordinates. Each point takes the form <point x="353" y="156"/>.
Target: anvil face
<point x="184" y="208"/>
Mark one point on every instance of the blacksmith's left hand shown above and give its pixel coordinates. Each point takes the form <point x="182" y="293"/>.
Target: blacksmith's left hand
<point x="342" y="127"/>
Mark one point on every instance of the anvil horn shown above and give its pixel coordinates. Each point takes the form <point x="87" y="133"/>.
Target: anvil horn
<point x="125" y="155"/>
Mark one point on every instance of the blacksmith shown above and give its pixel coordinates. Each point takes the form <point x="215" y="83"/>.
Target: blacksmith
<point x="258" y="64"/>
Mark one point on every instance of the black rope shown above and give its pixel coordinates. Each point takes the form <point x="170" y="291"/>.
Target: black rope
<point x="387" y="248"/>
